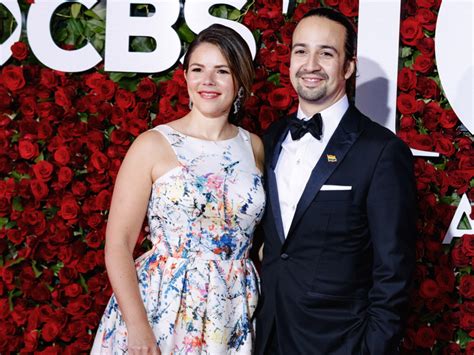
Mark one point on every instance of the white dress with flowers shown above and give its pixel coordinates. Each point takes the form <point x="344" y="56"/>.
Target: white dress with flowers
<point x="199" y="287"/>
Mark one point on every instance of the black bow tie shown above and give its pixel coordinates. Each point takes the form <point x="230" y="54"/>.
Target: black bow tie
<point x="298" y="128"/>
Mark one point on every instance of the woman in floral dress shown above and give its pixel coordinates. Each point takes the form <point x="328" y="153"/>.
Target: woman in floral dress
<point x="199" y="181"/>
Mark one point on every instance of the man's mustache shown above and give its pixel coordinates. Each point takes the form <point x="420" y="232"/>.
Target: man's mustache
<point x="317" y="75"/>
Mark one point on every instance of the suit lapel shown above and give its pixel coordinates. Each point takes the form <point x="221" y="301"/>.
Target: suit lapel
<point x="341" y="141"/>
<point x="274" y="152"/>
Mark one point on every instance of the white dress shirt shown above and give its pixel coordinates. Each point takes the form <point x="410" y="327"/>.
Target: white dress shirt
<point x="298" y="158"/>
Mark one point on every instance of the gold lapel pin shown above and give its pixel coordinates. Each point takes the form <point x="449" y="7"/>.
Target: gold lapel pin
<point x="331" y="158"/>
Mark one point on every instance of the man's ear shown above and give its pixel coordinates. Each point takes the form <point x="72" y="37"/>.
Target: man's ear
<point x="349" y="68"/>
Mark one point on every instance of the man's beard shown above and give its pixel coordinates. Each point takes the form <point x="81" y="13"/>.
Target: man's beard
<point x="311" y="94"/>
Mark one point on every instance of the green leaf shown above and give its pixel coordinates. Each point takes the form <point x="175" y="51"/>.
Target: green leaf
<point x="84" y="117"/>
<point x="35" y="269"/>
<point x="83" y="283"/>
<point x="17" y="204"/>
<point x="234" y="15"/>
<point x="464" y="223"/>
<point x="185" y="33"/>
<point x="117" y="76"/>
<point x="3" y="222"/>
<point x="143" y="44"/>
<point x="463" y="338"/>
<point x="92" y="14"/>
<point x="274" y="78"/>
<point x="129" y="84"/>
<point x="12" y="294"/>
<point x="75" y="10"/>
<point x="56" y="267"/>
<point x="406" y="52"/>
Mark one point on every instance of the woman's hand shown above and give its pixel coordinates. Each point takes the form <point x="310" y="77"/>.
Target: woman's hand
<point x="142" y="341"/>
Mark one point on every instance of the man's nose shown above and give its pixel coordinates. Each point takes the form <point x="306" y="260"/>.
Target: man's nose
<point x="313" y="64"/>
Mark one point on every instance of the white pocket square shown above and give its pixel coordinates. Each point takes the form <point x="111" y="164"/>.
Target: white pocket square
<point x="335" y="188"/>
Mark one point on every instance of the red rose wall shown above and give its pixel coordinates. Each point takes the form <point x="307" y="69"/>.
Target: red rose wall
<point x="63" y="137"/>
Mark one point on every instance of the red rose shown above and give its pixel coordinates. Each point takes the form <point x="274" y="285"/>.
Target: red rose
<point x="267" y="116"/>
<point x="146" y="89"/>
<point x="421" y="142"/>
<point x="65" y="176"/>
<point x="119" y="136"/>
<point x="427" y="18"/>
<point x="468" y="244"/>
<point x="470" y="348"/>
<point x="40" y="293"/>
<point x="459" y="258"/>
<point x="31" y="340"/>
<point x="95" y="220"/>
<point x="280" y="99"/>
<point x="407" y="104"/>
<point x="431" y="115"/>
<point x="99" y="161"/>
<point x="73" y="290"/>
<point x="445" y="279"/>
<point x="79" y="306"/>
<point x="407" y="122"/>
<point x="69" y="208"/>
<point x="467" y="321"/>
<point x="425" y="337"/>
<point x="427" y="88"/>
<point x="62" y="156"/>
<point x="105" y="90"/>
<point x="124" y="99"/>
<point x="429" y="289"/>
<point x="94" y="240"/>
<point x="62" y="97"/>
<point x="28" y="149"/>
<point x="411" y="31"/>
<point x="48" y="78"/>
<point x="43" y="170"/>
<point x="349" y="7"/>
<point x="426" y="46"/>
<point x="19" y="50"/>
<point x="406" y="79"/>
<point x="443" y="145"/>
<point x="331" y="3"/>
<point x="78" y="188"/>
<point x="39" y="189"/>
<point x="102" y="200"/>
<point x="448" y="119"/>
<point x="423" y="64"/>
<point x="452" y="349"/>
<point x="427" y="3"/>
<point x="12" y="77"/>
<point x="51" y="330"/>
<point x="466" y="287"/>
<point x="5" y="98"/>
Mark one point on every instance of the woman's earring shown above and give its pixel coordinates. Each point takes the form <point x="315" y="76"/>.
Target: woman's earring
<point x="237" y="102"/>
<point x="190" y="105"/>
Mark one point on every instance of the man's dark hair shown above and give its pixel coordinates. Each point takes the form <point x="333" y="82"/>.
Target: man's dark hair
<point x="350" y="45"/>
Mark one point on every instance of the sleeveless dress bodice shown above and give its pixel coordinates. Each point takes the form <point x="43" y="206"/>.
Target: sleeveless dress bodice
<point x="199" y="287"/>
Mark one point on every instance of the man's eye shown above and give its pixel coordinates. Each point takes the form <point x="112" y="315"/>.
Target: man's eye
<point x="327" y="54"/>
<point x="299" y="51"/>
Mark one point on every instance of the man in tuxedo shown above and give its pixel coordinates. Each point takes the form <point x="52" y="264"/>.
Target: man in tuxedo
<point x="340" y="221"/>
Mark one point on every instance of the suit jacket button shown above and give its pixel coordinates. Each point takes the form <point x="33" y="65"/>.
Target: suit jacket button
<point x="284" y="256"/>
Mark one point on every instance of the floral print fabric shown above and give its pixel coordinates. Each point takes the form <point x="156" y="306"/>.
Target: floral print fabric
<point x="198" y="285"/>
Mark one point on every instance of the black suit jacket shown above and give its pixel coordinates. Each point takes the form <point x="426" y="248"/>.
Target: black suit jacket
<point x="338" y="284"/>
